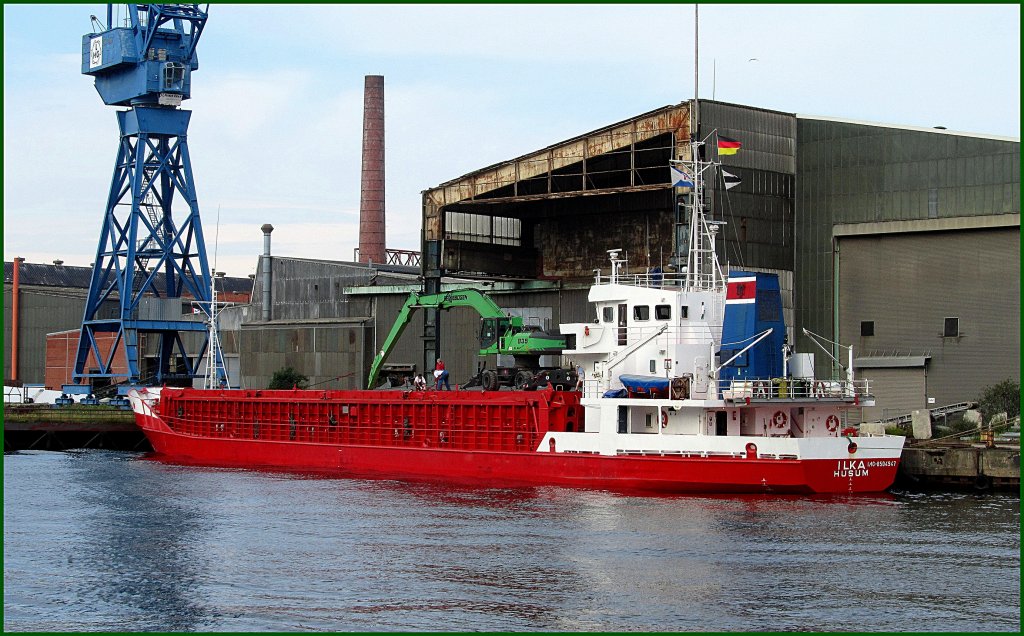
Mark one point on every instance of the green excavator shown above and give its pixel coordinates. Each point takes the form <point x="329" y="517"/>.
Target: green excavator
<point x="499" y="334"/>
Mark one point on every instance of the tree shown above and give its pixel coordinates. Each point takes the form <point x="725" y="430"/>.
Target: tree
<point x="1004" y="396"/>
<point x="288" y="378"/>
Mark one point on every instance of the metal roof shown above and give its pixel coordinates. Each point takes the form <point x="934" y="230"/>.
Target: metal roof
<point x="667" y="119"/>
<point x="49" y="275"/>
<point x="895" y="361"/>
<point x="934" y="130"/>
<point x="76" y="277"/>
<point x="380" y="268"/>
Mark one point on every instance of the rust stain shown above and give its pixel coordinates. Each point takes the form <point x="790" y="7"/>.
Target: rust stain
<point x="674" y="119"/>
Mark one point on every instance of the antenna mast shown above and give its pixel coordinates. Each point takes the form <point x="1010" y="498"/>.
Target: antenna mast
<point x="216" y="371"/>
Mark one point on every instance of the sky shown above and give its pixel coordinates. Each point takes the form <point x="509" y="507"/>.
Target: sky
<point x="276" y="130"/>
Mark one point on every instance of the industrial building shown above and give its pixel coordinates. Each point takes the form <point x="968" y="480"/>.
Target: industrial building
<point x="901" y="241"/>
<point x="908" y="248"/>
<point x="881" y="236"/>
<point x="40" y="346"/>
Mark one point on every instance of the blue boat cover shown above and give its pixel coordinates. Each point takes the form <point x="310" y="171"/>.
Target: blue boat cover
<point x="644" y="383"/>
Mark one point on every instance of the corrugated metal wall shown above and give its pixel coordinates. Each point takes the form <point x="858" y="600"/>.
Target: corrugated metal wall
<point x="907" y="284"/>
<point x="322" y="352"/>
<point x="897" y="391"/>
<point x="43" y="310"/>
<point x="759" y="211"/>
<point x="309" y="290"/>
<point x="855" y="173"/>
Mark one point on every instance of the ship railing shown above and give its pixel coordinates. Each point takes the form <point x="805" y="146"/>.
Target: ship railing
<point x="749" y="389"/>
<point x="648" y="279"/>
<point x="666" y="280"/>
<point x="592" y="388"/>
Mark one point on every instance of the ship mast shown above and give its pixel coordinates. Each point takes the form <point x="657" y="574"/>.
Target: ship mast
<point x="215" y="371"/>
<point x="703" y="271"/>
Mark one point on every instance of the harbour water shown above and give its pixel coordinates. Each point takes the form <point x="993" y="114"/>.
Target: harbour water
<point x="115" y="541"/>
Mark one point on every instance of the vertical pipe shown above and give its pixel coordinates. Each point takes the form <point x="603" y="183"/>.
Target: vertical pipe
<point x="15" y="302"/>
<point x="835" y="299"/>
<point x="371" y="196"/>
<point x="267" y="277"/>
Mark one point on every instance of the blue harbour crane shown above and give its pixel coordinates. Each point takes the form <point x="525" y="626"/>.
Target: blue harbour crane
<point x="148" y="258"/>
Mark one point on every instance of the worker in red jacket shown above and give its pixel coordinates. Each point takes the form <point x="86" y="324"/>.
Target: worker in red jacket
<point x="441" y="375"/>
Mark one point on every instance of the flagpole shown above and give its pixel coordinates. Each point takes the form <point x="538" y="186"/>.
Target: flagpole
<point x="696" y="72"/>
<point x="696" y="51"/>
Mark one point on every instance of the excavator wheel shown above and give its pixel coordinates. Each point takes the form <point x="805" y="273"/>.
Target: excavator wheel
<point x="489" y="380"/>
<point x="523" y="378"/>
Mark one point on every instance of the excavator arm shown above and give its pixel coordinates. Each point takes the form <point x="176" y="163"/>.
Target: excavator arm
<point x="472" y="298"/>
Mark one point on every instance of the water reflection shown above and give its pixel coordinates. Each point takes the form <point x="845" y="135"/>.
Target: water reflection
<point x="138" y="536"/>
<point x="152" y="546"/>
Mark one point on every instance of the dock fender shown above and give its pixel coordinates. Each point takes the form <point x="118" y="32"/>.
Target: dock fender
<point x="982" y="482"/>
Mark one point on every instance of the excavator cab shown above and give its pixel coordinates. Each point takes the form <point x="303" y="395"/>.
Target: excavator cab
<point x="492" y="330"/>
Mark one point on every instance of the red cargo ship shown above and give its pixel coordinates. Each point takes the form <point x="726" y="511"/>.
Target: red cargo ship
<point x="495" y="438"/>
<point x="690" y="386"/>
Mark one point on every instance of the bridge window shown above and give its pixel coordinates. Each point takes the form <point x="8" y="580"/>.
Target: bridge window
<point x="608" y="315"/>
<point x="642" y="312"/>
<point x="663" y="312"/>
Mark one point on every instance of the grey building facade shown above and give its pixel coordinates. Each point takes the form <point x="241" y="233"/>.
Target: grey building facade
<point x="898" y="229"/>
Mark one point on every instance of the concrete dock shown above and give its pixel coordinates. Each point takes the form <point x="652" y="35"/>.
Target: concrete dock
<point x="960" y="465"/>
<point x="58" y="428"/>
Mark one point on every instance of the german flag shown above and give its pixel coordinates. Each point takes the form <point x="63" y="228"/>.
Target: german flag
<point x="727" y="146"/>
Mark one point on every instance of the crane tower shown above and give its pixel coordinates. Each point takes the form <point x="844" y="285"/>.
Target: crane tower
<point x="147" y="259"/>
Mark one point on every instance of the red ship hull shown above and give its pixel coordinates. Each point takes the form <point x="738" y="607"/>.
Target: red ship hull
<point x="483" y="438"/>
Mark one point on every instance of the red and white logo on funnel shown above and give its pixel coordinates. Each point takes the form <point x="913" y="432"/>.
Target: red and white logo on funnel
<point x="741" y="290"/>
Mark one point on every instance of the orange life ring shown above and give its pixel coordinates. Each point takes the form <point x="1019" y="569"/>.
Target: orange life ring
<point x="664" y="419"/>
<point x="779" y="419"/>
<point x="832" y="423"/>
